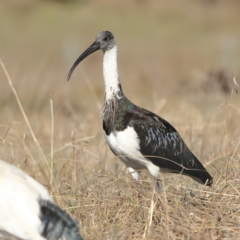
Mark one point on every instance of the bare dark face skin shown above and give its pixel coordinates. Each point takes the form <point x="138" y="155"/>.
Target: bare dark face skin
<point x="104" y="41"/>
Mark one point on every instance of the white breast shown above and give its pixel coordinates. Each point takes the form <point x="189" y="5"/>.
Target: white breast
<point x="126" y="145"/>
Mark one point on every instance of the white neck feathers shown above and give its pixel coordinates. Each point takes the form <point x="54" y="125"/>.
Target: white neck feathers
<point x="110" y="73"/>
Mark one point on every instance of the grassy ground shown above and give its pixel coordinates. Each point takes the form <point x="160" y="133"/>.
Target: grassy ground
<point x="176" y="59"/>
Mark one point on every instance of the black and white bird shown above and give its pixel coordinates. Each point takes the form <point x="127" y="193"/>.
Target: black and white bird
<point x="27" y="212"/>
<point x="140" y="138"/>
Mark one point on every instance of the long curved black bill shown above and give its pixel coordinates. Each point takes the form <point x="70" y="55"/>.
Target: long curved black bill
<point x="94" y="47"/>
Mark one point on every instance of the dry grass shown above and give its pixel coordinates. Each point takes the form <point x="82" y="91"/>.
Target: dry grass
<point x="169" y="63"/>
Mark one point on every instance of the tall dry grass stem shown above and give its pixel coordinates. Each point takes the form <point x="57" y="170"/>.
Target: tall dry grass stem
<point x="24" y="114"/>
<point x="52" y="137"/>
<point x="40" y="151"/>
<point x="150" y="215"/>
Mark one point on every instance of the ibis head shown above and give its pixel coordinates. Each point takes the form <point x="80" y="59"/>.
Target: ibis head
<point x="104" y="41"/>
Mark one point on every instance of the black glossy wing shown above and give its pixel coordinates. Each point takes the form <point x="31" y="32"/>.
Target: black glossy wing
<point x="162" y="144"/>
<point x="57" y="224"/>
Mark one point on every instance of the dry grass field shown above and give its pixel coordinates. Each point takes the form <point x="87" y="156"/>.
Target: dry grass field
<point x="177" y="59"/>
